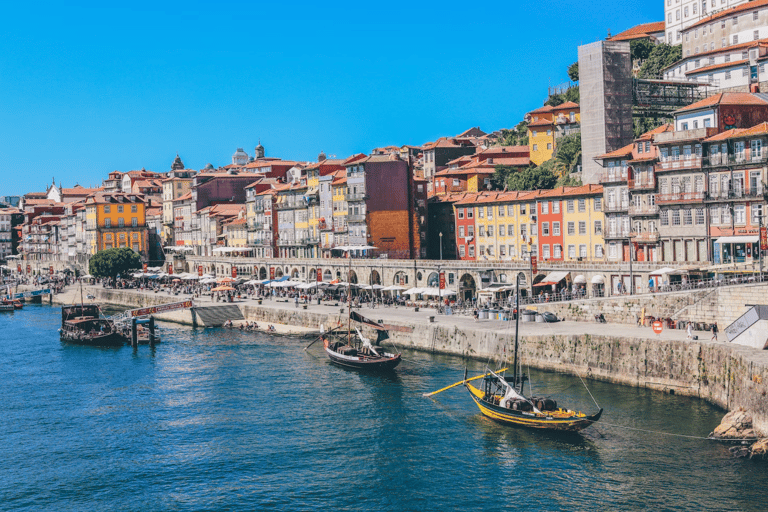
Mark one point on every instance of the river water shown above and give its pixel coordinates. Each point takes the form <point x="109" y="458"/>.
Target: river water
<point x="224" y="420"/>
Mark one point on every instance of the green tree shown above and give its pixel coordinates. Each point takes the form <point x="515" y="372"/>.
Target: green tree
<point x="567" y="155"/>
<point x="517" y="136"/>
<point x="501" y="174"/>
<point x="641" y="49"/>
<point x="111" y="262"/>
<point x="573" y="72"/>
<point x="568" y="181"/>
<point x="572" y="94"/>
<point x="533" y="178"/>
<point x="661" y="56"/>
<point x="646" y="124"/>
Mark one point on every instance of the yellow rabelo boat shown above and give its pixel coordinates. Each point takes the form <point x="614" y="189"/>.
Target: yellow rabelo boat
<point x="502" y="399"/>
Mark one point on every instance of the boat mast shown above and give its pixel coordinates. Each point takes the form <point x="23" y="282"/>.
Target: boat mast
<point x="349" y="298"/>
<point x="517" y="326"/>
<point x="82" y="305"/>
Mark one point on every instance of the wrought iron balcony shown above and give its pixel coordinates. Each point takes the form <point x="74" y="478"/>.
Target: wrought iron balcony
<point x="614" y="176"/>
<point x="355" y="218"/>
<point x="723" y="159"/>
<point x="616" y="233"/>
<point x="645" y="209"/>
<point x="680" y="197"/>
<point x="645" y="237"/>
<point x="672" y="163"/>
<point x="615" y="207"/>
<point x="642" y="184"/>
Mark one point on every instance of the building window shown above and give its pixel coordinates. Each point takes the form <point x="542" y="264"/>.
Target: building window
<point x="461" y="231"/>
<point x="555" y="206"/>
<point x="582" y="205"/>
<point x="470" y="212"/>
<point x="687" y="218"/>
<point x="598" y="227"/>
<point x="740" y="214"/>
<point x="501" y="210"/>
<point x="727" y="75"/>
<point x="106" y="208"/>
<point x="489" y="210"/>
<point x="598" y="251"/>
<point x="569" y="206"/>
<point x="134" y="208"/>
<point x="107" y="223"/>
<point x="583" y="251"/>
<point x="756" y="35"/>
<point x="522" y="209"/>
<point x="481" y="230"/>
<point x="555" y="229"/>
<point x="545" y="229"/>
<point x="572" y="252"/>
<point x="544" y="207"/>
<point x="481" y="212"/>
<point x="582" y="227"/>
<point x="571" y="228"/>
<point x="134" y="221"/>
<point x="535" y="147"/>
<point x="490" y="230"/>
<point x="462" y="251"/>
<point x="501" y="230"/>
<point x="461" y="212"/>
<point x="664" y="217"/>
<point x="736" y="39"/>
<point x="545" y="251"/>
<point x="675" y="217"/>
<point x="471" y="251"/>
<point x="119" y="208"/>
<point x="511" y="230"/>
<point x="549" y="145"/>
<point x="598" y="204"/>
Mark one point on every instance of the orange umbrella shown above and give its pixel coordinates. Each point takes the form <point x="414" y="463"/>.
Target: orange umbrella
<point x="223" y="289"/>
<point x="225" y="280"/>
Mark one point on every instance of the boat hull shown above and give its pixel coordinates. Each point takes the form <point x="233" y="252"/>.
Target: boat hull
<point x="560" y="420"/>
<point x="112" y="339"/>
<point x="365" y="363"/>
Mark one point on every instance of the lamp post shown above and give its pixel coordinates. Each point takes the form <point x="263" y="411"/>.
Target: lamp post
<point x="441" y="245"/>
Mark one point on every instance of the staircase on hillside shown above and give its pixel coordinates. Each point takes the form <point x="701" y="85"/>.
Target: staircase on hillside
<point x="215" y="316"/>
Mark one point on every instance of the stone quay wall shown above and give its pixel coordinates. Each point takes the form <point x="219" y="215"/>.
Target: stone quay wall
<point x="728" y="375"/>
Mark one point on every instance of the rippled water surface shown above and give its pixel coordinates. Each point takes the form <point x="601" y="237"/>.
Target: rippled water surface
<point x="225" y="420"/>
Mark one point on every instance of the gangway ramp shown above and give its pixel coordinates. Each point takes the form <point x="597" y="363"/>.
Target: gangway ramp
<point x="216" y="316"/>
<point x="750" y="329"/>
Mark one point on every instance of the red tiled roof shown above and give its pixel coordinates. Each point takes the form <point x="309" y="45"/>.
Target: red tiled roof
<point x="735" y="133"/>
<point x="566" y="106"/>
<point x="618" y="153"/>
<point x="726" y="98"/>
<point x="639" y="31"/>
<point x="659" y="129"/>
<point x="541" y="122"/>
<point x="714" y="67"/>
<point x="186" y="196"/>
<point x="718" y="51"/>
<point x="733" y="11"/>
<point x="542" y="110"/>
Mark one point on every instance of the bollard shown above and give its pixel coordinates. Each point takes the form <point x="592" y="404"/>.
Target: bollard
<point x="134" y="334"/>
<point x="151" y="331"/>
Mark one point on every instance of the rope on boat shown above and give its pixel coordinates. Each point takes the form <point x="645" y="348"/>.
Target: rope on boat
<point x="658" y="432"/>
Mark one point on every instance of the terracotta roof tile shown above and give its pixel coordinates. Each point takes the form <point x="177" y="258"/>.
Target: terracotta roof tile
<point x="714" y="67"/>
<point x="541" y="122"/>
<point x="726" y="13"/>
<point x="659" y="129"/>
<point x="639" y="31"/>
<point x="618" y="153"/>
<point x="726" y="98"/>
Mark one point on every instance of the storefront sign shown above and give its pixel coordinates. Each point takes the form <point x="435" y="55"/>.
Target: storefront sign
<point x="763" y="239"/>
<point x="533" y="264"/>
<point x="234" y="272"/>
<point x="199" y="271"/>
<point x="272" y="272"/>
<point x="442" y="280"/>
<point x="170" y="268"/>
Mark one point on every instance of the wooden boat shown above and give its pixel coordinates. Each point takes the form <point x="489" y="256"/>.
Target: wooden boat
<point x="6" y="307"/>
<point x="503" y="400"/>
<point x="15" y="303"/>
<point x="353" y="350"/>
<point x="82" y="324"/>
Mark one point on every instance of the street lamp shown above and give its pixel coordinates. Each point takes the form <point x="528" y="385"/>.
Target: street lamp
<point x="441" y="245"/>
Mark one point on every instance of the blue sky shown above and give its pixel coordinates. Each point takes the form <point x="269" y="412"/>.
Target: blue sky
<point x="89" y="88"/>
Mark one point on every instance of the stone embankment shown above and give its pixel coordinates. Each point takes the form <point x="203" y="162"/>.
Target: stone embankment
<point x="705" y="306"/>
<point x="732" y="376"/>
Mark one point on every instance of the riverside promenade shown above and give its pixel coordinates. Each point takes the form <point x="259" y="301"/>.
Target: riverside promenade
<point x="732" y="376"/>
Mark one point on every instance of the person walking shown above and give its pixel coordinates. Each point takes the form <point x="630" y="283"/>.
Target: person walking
<point x="689" y="330"/>
<point x="714" y="332"/>
<point x="475" y="314"/>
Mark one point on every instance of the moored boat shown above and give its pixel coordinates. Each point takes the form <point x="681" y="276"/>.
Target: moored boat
<point x="14" y="303"/>
<point x="503" y="400"/>
<point x="353" y="350"/>
<point x="82" y="324"/>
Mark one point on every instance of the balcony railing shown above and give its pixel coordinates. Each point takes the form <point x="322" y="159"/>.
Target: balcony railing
<point x="355" y="218"/>
<point x="680" y="197"/>
<point x="736" y="159"/>
<point x="356" y="197"/>
<point x="324" y="226"/>
<point x="340" y="229"/>
<point x="615" y="176"/>
<point x="735" y="194"/>
<point x="691" y="162"/>
<point x="645" y="209"/>
<point x="642" y="184"/>
<point x="617" y="233"/>
<point x="290" y="205"/>
<point x="615" y="207"/>
<point x="645" y="237"/>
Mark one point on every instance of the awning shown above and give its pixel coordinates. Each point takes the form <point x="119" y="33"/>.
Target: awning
<point x="752" y="239"/>
<point x="311" y="192"/>
<point x="598" y="279"/>
<point x="663" y="271"/>
<point x="580" y="279"/>
<point x="553" y="278"/>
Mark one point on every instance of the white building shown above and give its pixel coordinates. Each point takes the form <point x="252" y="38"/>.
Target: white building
<point x="681" y="14"/>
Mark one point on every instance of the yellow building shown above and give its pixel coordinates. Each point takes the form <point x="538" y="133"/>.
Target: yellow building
<point x="583" y="223"/>
<point x="547" y="124"/>
<point x="116" y="220"/>
<point x="236" y="232"/>
<point x="339" y="201"/>
<point x="178" y="184"/>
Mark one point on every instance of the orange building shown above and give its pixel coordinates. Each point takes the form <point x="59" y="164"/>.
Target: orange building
<point x="116" y="220"/>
